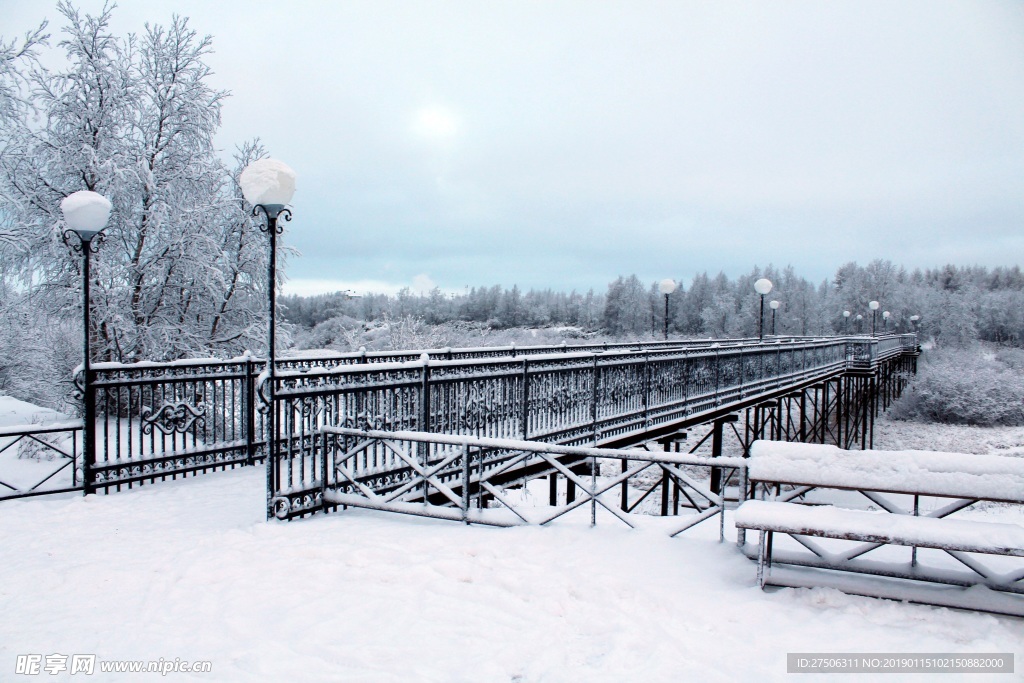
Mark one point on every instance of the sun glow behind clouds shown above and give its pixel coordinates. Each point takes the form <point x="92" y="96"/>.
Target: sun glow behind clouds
<point x="436" y="122"/>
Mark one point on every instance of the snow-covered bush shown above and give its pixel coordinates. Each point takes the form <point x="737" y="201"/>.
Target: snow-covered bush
<point x="978" y="385"/>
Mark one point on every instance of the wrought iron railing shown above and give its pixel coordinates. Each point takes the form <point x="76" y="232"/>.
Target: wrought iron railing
<point x="571" y="399"/>
<point x="160" y="420"/>
<point x="165" y="420"/>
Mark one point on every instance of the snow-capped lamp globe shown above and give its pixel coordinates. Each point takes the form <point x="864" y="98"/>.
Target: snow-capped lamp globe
<point x="268" y="184"/>
<point x="762" y="287"/>
<point x="85" y="213"/>
<point x="666" y="287"/>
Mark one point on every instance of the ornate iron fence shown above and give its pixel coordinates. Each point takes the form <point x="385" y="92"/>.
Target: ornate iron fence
<point x="164" y="420"/>
<point x="156" y="421"/>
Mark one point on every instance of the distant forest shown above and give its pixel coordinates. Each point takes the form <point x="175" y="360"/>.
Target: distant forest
<point x="954" y="305"/>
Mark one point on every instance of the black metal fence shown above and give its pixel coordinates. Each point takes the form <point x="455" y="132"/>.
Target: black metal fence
<point x="167" y="420"/>
<point x="575" y="399"/>
<point x="158" y="421"/>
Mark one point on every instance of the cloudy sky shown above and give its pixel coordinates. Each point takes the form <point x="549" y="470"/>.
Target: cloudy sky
<point x="560" y="144"/>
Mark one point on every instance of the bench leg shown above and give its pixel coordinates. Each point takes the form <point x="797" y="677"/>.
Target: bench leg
<point x="760" y="559"/>
<point x="913" y="549"/>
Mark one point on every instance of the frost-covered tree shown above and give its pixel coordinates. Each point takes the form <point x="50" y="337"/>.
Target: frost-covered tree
<point x="182" y="269"/>
<point x="627" y="308"/>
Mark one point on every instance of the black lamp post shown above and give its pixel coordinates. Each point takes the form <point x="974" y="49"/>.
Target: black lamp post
<point x="667" y="286"/>
<point x="86" y="214"/>
<point x="860" y="323"/>
<point x="885" y="322"/>
<point x="774" y="305"/>
<point x="873" y="305"/>
<point x="846" y="322"/>
<point x="762" y="287"/>
<point x="269" y="185"/>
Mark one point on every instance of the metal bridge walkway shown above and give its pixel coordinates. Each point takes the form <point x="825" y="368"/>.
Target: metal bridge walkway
<point x="820" y="389"/>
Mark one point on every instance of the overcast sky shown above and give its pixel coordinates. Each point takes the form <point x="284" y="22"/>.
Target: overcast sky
<point x="560" y="144"/>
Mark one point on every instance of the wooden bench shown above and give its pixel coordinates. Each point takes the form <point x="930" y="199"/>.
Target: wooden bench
<point x="949" y="482"/>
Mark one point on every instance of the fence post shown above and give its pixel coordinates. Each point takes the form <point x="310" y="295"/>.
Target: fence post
<point x="647" y="387"/>
<point x="249" y="406"/>
<point x="525" y="427"/>
<point x="718" y="363"/>
<point x="593" y="401"/>
<point x="325" y="439"/>
<point x="465" y="483"/>
<point x="422" y="446"/>
<point x="593" y="460"/>
<point x="743" y="364"/>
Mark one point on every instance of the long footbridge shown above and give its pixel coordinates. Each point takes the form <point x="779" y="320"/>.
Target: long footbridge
<point x="441" y="431"/>
<point x="329" y="421"/>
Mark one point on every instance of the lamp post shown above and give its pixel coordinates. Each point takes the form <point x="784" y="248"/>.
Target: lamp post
<point x="885" y="322"/>
<point x="913" y="323"/>
<point x="774" y="305"/>
<point x="846" y="322"/>
<point x="762" y="287"/>
<point x="860" y="319"/>
<point x="667" y="286"/>
<point x="86" y="214"/>
<point x="268" y="185"/>
<point x="873" y="305"/>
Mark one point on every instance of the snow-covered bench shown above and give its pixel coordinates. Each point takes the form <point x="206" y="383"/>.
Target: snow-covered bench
<point x="947" y="482"/>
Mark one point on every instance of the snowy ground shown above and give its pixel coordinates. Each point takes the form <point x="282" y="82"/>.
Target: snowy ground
<point x="190" y="570"/>
<point x="896" y="435"/>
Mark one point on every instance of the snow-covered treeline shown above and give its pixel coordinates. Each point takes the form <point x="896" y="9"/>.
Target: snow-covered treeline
<point x="954" y="306"/>
<point x="182" y="268"/>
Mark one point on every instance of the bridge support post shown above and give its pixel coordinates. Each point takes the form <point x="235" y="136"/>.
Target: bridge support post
<point x="716" y="450"/>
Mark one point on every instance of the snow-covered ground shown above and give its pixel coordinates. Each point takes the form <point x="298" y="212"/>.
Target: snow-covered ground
<point x="897" y="435"/>
<point x="15" y="412"/>
<point x="191" y="570"/>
